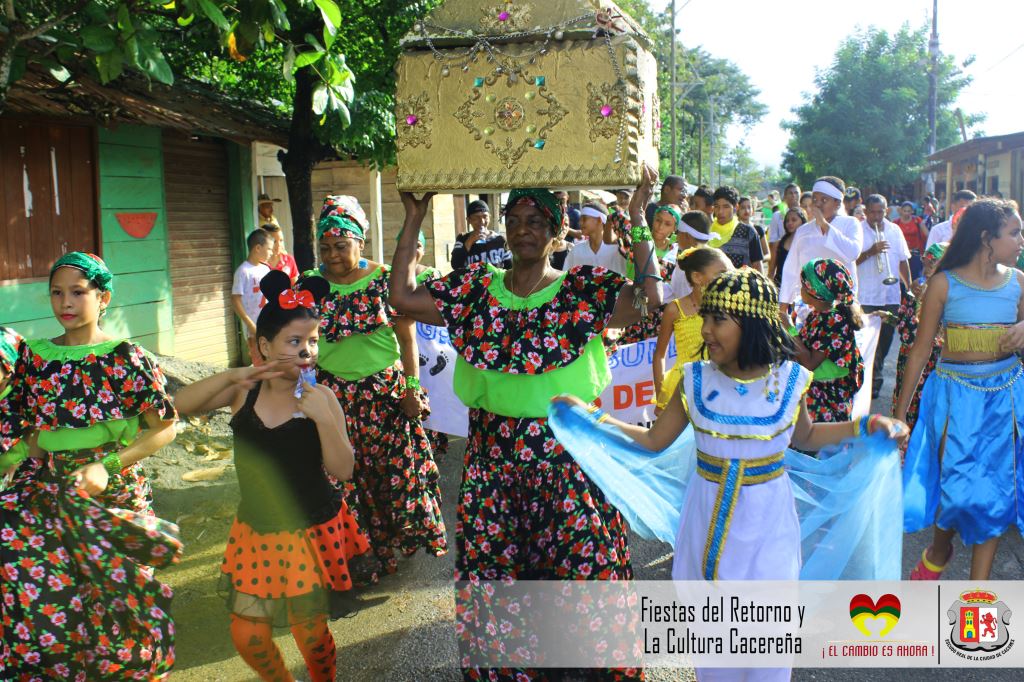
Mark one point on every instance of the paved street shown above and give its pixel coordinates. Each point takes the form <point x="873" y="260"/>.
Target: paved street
<point x="408" y="637"/>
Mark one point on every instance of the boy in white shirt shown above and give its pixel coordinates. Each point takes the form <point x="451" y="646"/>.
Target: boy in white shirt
<point x="594" y="251"/>
<point x="246" y="297"/>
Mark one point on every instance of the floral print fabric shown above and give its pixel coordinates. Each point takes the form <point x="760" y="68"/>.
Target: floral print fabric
<point x="50" y="394"/>
<point x="362" y="311"/>
<point x="490" y="336"/>
<point x="906" y="327"/>
<point x="832" y="334"/>
<point x="526" y="511"/>
<point x="395" y="489"/>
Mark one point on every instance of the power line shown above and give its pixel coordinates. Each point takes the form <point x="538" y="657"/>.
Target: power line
<point x="1013" y="52"/>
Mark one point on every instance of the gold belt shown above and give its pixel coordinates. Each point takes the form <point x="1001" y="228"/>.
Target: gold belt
<point x="730" y="475"/>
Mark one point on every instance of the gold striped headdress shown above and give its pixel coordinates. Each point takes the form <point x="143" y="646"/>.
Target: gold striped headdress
<point x="746" y="293"/>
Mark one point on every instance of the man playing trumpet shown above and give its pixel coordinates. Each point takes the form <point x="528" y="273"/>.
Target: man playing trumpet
<point x="882" y="267"/>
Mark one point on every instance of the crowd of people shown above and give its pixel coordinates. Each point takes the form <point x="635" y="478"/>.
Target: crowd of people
<point x="337" y="474"/>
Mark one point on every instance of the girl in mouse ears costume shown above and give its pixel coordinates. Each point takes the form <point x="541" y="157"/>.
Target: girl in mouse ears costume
<point x="288" y="552"/>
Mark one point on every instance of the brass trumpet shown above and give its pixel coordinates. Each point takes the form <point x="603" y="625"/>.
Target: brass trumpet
<point x="882" y="260"/>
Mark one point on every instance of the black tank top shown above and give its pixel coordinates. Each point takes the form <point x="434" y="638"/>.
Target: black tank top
<point x="280" y="473"/>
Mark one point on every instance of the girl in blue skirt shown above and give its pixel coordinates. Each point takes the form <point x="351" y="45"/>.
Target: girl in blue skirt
<point x="964" y="470"/>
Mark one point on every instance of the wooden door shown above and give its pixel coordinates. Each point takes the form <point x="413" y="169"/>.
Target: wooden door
<point x="199" y="244"/>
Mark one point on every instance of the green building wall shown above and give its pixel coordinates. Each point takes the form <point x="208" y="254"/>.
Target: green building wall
<point x="130" y="181"/>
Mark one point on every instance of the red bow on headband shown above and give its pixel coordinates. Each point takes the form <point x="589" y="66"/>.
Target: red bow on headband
<point x="289" y="299"/>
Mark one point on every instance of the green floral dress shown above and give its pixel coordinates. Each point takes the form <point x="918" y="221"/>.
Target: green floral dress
<point x="438" y="440"/>
<point x="78" y="597"/>
<point x="526" y="510"/>
<point x="830" y="398"/>
<point x="395" y="488"/>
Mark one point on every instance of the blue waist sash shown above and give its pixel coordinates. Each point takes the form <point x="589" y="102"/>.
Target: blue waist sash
<point x="731" y="475"/>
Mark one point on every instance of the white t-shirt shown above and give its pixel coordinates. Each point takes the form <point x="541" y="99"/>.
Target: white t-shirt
<point x="870" y="289"/>
<point x="678" y="287"/>
<point x="607" y="256"/>
<point x="842" y="242"/>
<point x="777" y="230"/>
<point x="247" y="285"/>
<point x="942" y="232"/>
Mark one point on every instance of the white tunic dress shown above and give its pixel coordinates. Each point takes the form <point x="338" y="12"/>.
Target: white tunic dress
<point x="744" y="527"/>
<point x="752" y="532"/>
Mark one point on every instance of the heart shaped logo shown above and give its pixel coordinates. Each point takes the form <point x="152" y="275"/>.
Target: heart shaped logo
<point x="886" y="609"/>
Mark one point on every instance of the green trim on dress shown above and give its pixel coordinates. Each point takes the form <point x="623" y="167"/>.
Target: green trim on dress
<point x="498" y="289"/>
<point x="528" y="395"/>
<point x="50" y="351"/>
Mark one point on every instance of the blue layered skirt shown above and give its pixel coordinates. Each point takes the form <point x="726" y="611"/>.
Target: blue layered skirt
<point x="834" y="517"/>
<point x="964" y="468"/>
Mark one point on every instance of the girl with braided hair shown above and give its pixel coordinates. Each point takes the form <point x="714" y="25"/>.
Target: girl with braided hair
<point x="288" y="555"/>
<point x="737" y="519"/>
<point x="825" y="344"/>
<point x="81" y="413"/>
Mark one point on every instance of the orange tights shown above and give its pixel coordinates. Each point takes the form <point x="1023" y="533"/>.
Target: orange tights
<point x="254" y="641"/>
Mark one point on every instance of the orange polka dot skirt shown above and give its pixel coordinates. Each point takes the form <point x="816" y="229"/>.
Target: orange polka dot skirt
<point x="292" y="564"/>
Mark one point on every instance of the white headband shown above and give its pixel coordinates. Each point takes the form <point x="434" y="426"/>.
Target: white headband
<point x="699" y="236"/>
<point x="828" y="189"/>
<point x="594" y="213"/>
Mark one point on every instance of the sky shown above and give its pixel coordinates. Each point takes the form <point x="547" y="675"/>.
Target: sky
<point x="779" y="44"/>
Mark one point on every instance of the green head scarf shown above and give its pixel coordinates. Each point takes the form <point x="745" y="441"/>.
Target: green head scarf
<point x="341" y="216"/>
<point x="935" y="252"/>
<point x="830" y="280"/>
<point x="673" y="210"/>
<point x="541" y="199"/>
<point x="10" y="343"/>
<point x="91" y="265"/>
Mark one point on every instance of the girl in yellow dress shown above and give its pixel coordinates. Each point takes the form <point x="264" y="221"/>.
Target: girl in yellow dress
<point x="682" y="319"/>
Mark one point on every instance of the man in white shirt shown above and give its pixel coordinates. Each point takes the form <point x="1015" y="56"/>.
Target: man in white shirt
<point x="828" y="235"/>
<point x="246" y="296"/>
<point x="881" y="257"/>
<point x="943" y="232"/>
<point x="594" y="251"/>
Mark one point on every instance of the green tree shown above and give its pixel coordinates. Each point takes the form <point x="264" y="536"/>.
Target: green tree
<point x="868" y="121"/>
<point x="702" y="79"/>
<point x="288" y="52"/>
<point x="367" y="47"/>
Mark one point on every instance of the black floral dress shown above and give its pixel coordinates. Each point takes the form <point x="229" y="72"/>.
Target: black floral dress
<point x="906" y="322"/>
<point x="831" y="400"/>
<point x="526" y="510"/>
<point x="78" y="597"/>
<point x="395" y="488"/>
<point x="438" y="439"/>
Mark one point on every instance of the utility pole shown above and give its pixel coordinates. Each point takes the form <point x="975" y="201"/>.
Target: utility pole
<point x="700" y="153"/>
<point x="672" y="81"/>
<point x="933" y="90"/>
<point x="711" y="143"/>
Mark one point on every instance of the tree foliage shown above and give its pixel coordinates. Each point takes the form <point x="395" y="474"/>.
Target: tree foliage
<point x="368" y="43"/>
<point x="115" y="36"/>
<point x="868" y="121"/>
<point x="703" y="78"/>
